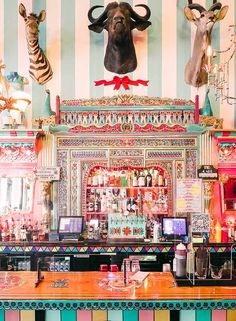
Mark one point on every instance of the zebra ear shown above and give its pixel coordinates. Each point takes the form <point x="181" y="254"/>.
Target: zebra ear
<point x="22" y="10"/>
<point x="42" y="15"/>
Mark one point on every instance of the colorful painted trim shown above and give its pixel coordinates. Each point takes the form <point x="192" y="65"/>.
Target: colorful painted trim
<point x="73" y="249"/>
<point x="117" y="305"/>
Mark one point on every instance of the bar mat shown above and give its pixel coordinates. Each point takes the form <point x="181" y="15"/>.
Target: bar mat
<point x="206" y="282"/>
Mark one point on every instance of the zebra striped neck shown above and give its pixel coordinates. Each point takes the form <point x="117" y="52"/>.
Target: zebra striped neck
<point x="33" y="46"/>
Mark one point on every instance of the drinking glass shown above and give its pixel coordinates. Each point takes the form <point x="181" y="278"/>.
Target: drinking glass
<point x="216" y="271"/>
<point x="201" y="267"/>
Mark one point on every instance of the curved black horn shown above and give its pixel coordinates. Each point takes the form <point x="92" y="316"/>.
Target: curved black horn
<point x="216" y="6"/>
<point x="148" y="12"/>
<point x="100" y="18"/>
<point x="134" y="14"/>
<point x="197" y="7"/>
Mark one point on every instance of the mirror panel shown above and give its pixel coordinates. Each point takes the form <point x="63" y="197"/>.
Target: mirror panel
<point x="16" y="195"/>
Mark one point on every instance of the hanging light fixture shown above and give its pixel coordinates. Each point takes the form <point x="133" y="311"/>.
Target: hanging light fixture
<point x="219" y="74"/>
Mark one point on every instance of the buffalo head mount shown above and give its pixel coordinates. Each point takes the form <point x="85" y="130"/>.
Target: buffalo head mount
<point x="119" y="19"/>
<point x="195" y="73"/>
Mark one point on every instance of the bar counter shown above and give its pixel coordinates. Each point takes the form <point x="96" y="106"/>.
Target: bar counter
<point x="77" y="293"/>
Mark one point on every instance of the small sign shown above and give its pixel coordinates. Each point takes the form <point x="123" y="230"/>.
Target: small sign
<point x="207" y="172"/>
<point x="47" y="173"/>
<point x="189" y="196"/>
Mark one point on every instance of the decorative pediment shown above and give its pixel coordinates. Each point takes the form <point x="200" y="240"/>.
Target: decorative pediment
<point x="125" y="113"/>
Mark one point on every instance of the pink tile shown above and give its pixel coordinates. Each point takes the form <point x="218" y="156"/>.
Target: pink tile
<point x="146" y="315"/>
<point x="84" y="315"/>
<point x="219" y="315"/>
<point x="11" y="315"/>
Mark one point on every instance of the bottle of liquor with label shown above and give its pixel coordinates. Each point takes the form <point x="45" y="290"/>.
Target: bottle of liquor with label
<point x="103" y="202"/>
<point x="141" y="179"/>
<point x="160" y="180"/>
<point x="135" y="179"/>
<point x="148" y="179"/>
<point x="97" y="203"/>
<point x="123" y="178"/>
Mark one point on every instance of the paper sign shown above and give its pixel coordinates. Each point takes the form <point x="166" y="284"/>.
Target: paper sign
<point x="47" y="173"/>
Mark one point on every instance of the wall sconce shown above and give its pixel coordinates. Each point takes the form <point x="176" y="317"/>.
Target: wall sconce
<point x="13" y="100"/>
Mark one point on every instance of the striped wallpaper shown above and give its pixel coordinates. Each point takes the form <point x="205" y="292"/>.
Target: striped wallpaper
<point x="76" y="54"/>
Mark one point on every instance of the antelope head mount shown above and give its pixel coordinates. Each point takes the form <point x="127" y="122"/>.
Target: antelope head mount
<point x="195" y="73"/>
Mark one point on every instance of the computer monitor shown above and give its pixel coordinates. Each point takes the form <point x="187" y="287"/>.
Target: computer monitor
<point x="70" y="226"/>
<point x="174" y="227"/>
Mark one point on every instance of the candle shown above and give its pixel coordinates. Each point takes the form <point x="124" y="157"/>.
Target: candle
<point x="209" y="56"/>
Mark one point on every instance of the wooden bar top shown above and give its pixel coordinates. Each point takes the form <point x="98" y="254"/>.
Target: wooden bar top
<point x="86" y="286"/>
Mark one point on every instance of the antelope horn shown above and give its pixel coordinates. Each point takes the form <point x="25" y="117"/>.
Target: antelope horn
<point x="197" y="7"/>
<point x="215" y="6"/>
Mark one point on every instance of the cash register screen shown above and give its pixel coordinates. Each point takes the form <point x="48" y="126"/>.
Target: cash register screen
<point x="70" y="225"/>
<point x="174" y="227"/>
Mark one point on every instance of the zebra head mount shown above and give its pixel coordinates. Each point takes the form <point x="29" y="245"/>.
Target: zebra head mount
<point x="39" y="69"/>
<point x="195" y="74"/>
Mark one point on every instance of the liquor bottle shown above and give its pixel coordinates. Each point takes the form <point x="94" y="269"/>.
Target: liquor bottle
<point x="100" y="176"/>
<point x="106" y="179"/>
<point x="29" y="231"/>
<point x="103" y="202"/>
<point x="218" y="232"/>
<point x="112" y="179"/>
<point x="139" y="203"/>
<point x="12" y="229"/>
<point x="155" y="178"/>
<point x="41" y="234"/>
<point x="35" y="233"/>
<point x="135" y="179"/>
<point x="17" y="230"/>
<point x="90" y="204"/>
<point x="114" y="205"/>
<point x="129" y="180"/>
<point x="95" y="179"/>
<point x="148" y="179"/>
<point x="141" y="179"/>
<point x="165" y="181"/>
<point x="117" y="179"/>
<point x="160" y="180"/>
<point x="133" y="205"/>
<point x="123" y="178"/>
<point x="97" y="203"/>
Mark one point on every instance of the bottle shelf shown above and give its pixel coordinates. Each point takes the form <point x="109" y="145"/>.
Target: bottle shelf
<point x="145" y="214"/>
<point x="141" y="191"/>
<point x="127" y="187"/>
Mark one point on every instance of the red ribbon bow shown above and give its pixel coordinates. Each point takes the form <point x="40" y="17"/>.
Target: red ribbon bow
<point x="124" y="81"/>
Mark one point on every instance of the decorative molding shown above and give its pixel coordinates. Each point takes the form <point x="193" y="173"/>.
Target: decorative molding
<point x="125" y="142"/>
<point x="127" y="100"/>
<point x="85" y="249"/>
<point x="178" y="304"/>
